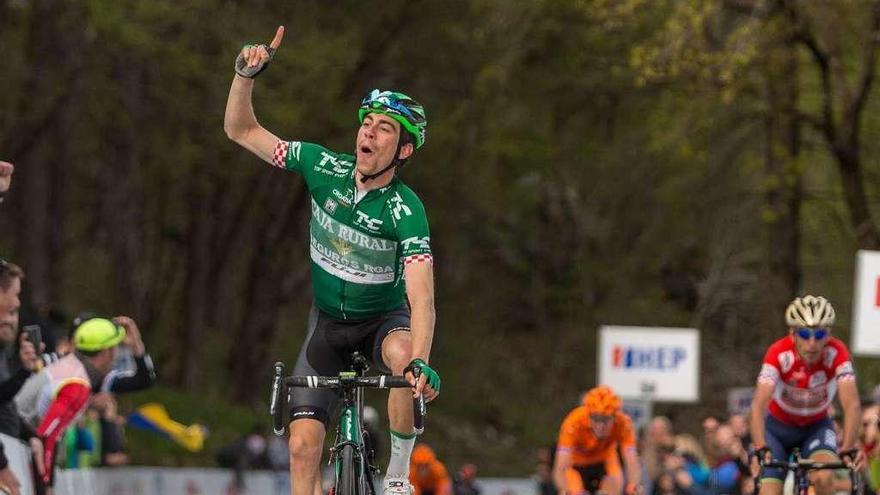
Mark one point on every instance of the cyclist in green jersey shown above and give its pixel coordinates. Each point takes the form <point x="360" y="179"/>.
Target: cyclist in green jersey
<point x="372" y="268"/>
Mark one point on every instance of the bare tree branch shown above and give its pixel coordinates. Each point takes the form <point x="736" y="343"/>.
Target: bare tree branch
<point x="855" y="107"/>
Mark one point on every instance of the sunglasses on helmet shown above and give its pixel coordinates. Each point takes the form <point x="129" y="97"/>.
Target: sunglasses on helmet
<point x="817" y="333"/>
<point x="390" y="101"/>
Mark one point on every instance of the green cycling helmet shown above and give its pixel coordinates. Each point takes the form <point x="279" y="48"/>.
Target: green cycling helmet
<point x="97" y="334"/>
<point x="399" y="107"/>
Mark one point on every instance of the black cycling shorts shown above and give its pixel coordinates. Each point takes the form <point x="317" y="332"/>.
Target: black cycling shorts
<point x="591" y="475"/>
<point x="327" y="351"/>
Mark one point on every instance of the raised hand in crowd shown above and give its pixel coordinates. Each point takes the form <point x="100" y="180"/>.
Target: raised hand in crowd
<point x="132" y="335"/>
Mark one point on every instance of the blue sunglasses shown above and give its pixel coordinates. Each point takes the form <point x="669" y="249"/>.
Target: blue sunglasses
<point x="817" y="333"/>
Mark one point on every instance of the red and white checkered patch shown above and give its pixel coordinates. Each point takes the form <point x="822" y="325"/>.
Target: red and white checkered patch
<point x="418" y="258"/>
<point x="280" y="153"/>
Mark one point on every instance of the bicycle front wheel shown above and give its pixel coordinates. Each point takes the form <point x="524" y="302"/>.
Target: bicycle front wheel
<point x="349" y="480"/>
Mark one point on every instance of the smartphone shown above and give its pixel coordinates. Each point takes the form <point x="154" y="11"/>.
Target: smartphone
<point x="34" y="335"/>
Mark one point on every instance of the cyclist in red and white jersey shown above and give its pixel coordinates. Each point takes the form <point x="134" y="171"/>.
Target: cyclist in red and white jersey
<point x="798" y="380"/>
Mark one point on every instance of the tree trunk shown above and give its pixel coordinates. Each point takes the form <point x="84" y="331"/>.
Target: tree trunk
<point x="784" y="192"/>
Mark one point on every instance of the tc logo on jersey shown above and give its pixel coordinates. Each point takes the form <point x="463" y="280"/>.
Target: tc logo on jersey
<point x="330" y="205"/>
<point x="368" y="223"/>
<point x="338" y="167"/>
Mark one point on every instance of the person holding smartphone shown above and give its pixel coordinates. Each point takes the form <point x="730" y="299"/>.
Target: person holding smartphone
<point x="18" y="360"/>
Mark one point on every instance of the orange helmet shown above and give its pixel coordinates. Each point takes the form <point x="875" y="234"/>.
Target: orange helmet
<point x="423" y="454"/>
<point x="602" y="400"/>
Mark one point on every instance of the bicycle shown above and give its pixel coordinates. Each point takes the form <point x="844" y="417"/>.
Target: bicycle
<point x="800" y="469"/>
<point x="353" y="458"/>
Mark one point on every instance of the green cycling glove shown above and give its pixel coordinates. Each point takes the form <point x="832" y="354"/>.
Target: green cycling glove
<point x="433" y="378"/>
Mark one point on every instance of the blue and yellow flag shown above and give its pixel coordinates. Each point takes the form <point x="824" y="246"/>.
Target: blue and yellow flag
<point x="153" y="417"/>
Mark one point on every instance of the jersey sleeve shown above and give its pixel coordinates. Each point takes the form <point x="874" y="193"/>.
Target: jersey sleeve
<point x="310" y="160"/>
<point x="69" y="402"/>
<point x="568" y="432"/>
<point x="411" y="225"/>
<point x="770" y="368"/>
<point x="839" y="361"/>
<point x="627" y="436"/>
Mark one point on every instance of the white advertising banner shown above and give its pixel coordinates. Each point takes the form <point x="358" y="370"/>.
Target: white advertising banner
<point x="866" y="305"/>
<point x="651" y="363"/>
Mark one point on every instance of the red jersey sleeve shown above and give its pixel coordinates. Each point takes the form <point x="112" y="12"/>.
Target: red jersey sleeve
<point x="838" y="361"/>
<point x="771" y="367"/>
<point x="69" y="402"/>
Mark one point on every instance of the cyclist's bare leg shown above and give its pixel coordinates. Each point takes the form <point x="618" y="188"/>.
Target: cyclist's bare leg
<point x="397" y="353"/>
<point x="306" y="445"/>
<point x="771" y="486"/>
<point x="612" y="484"/>
<point x="823" y="480"/>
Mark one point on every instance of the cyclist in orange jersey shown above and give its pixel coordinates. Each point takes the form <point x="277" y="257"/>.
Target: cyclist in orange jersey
<point x="427" y="474"/>
<point x="586" y="453"/>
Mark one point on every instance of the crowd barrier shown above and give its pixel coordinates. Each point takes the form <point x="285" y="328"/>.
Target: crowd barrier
<point x="143" y="480"/>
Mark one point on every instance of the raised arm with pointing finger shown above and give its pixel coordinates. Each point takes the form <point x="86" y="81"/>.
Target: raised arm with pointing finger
<point x="240" y="123"/>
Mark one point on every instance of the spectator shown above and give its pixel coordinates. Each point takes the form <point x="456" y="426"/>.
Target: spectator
<point x="79" y="445"/>
<point x="658" y="437"/>
<point x="731" y="466"/>
<point x="710" y="426"/>
<point x="56" y="396"/>
<point x="465" y="481"/>
<point x="112" y="440"/>
<point x="6" y="170"/>
<point x="666" y="484"/>
<point x="870" y="443"/>
<point x="544" y="470"/>
<point x="427" y="474"/>
<point x="18" y="359"/>
<point x="740" y="426"/>
<point x="693" y="460"/>
<point x="247" y="453"/>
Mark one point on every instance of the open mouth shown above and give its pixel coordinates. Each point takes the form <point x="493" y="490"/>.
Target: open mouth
<point x="366" y="150"/>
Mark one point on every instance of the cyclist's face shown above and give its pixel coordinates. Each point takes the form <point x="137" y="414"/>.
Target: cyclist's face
<point x="601" y="425"/>
<point x="810" y="349"/>
<point x="377" y="143"/>
<point x="9" y="304"/>
<point x="105" y="359"/>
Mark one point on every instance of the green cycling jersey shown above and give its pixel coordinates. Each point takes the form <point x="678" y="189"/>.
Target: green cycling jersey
<point x="359" y="242"/>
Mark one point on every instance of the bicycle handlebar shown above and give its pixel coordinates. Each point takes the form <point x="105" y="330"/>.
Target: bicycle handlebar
<point x="281" y="383"/>
<point x="804" y="464"/>
<point x="419" y="408"/>
<point x="381" y="381"/>
<point x="275" y="400"/>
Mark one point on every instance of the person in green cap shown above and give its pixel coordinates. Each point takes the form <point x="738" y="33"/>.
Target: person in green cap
<point x="371" y="260"/>
<point x="57" y="396"/>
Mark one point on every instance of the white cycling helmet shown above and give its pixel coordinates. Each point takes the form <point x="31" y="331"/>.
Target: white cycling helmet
<point x="809" y="311"/>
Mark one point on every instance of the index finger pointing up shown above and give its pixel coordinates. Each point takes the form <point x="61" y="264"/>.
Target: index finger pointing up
<point x="276" y="41"/>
